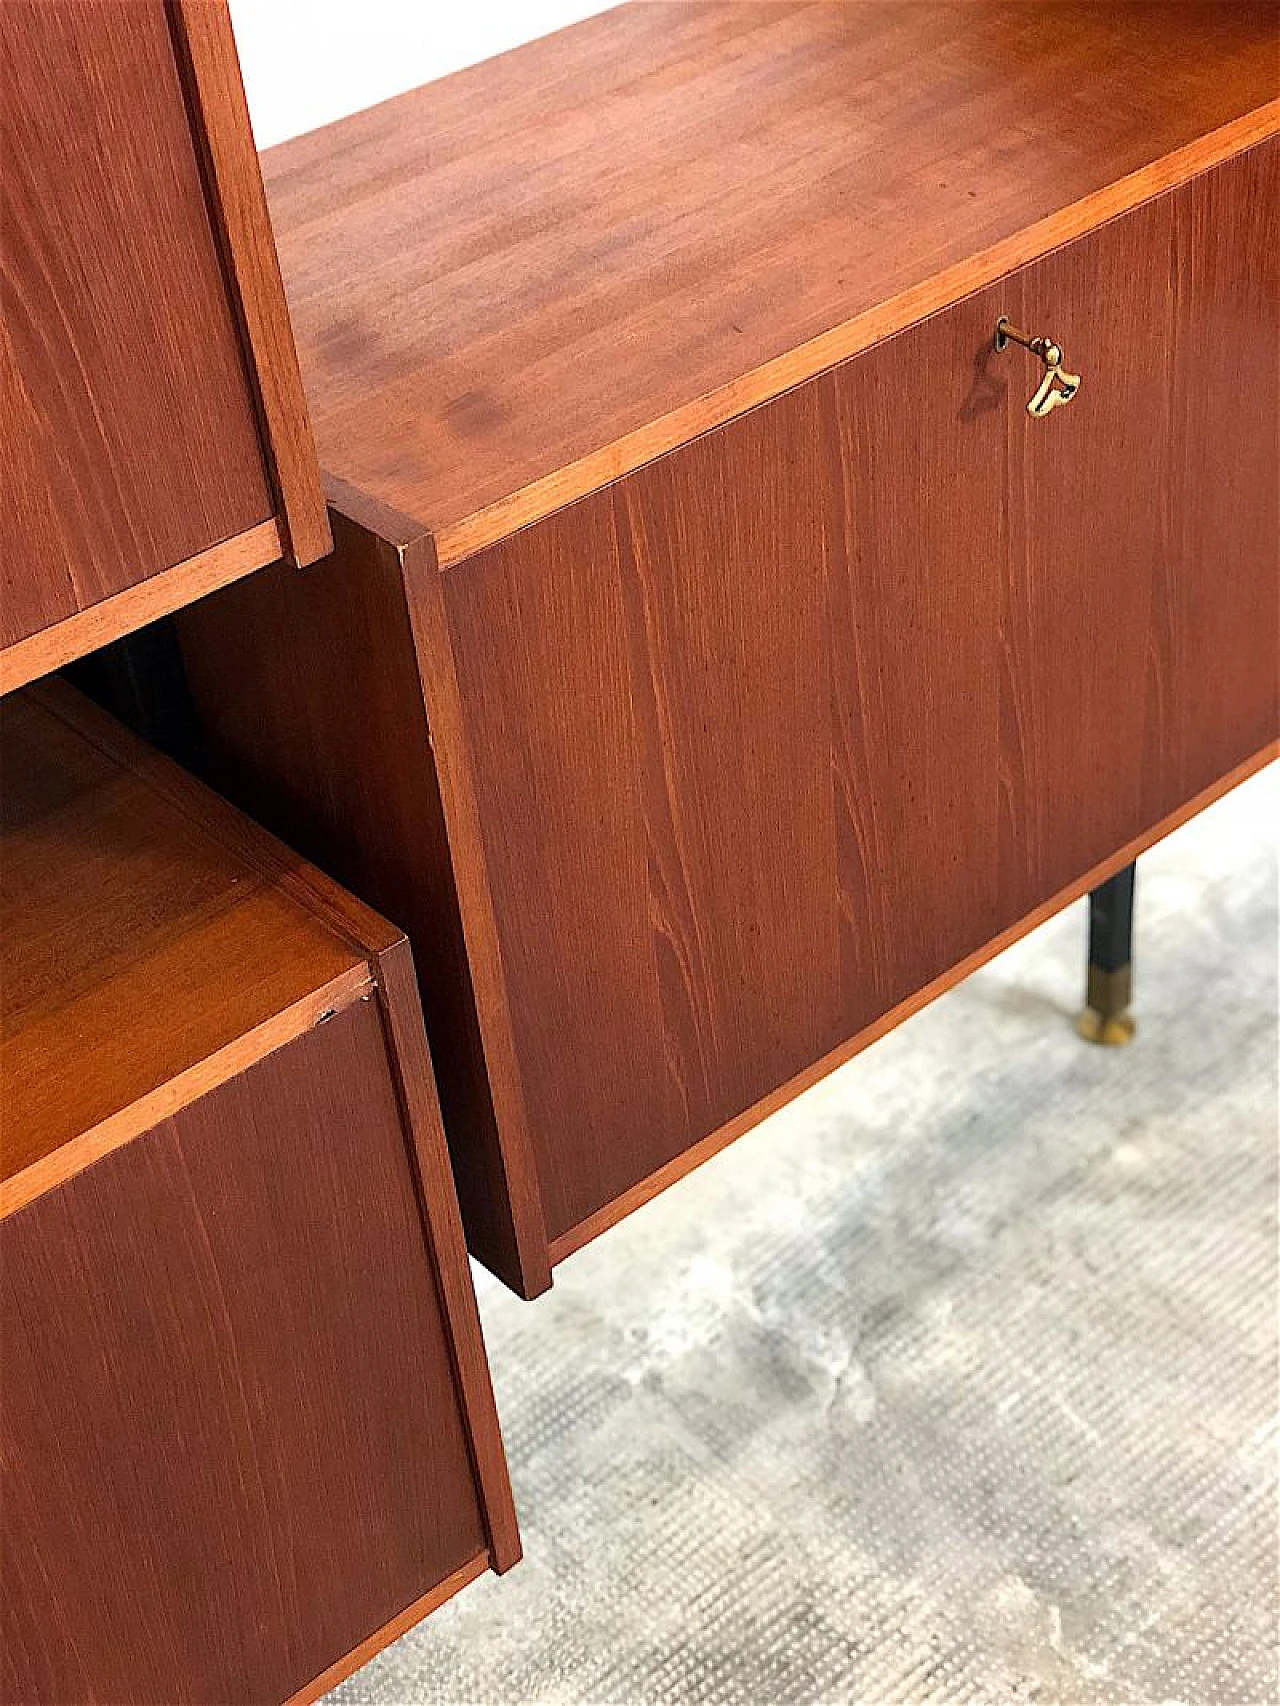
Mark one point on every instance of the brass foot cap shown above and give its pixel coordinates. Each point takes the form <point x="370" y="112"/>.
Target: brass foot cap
<point x="1110" y="1032"/>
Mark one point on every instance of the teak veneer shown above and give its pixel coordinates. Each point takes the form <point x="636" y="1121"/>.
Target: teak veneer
<point x="523" y="281"/>
<point x="246" y="1426"/>
<point x="716" y="659"/>
<point x="154" y="439"/>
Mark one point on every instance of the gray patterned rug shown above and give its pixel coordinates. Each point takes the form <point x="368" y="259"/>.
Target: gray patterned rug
<point x="954" y="1382"/>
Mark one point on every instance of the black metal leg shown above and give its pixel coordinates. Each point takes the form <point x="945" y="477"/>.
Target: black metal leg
<point x="1106" y="1018"/>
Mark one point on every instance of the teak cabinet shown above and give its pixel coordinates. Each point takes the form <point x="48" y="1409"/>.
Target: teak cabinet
<point x="716" y="658"/>
<point x="246" y="1426"/>
<point x="154" y="439"/>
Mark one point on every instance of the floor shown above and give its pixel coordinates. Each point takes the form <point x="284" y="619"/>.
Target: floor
<point x="954" y="1382"/>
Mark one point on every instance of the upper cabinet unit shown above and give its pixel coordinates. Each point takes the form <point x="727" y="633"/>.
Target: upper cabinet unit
<point x="154" y="440"/>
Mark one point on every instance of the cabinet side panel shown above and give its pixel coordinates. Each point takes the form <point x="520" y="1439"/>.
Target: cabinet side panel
<point x="206" y="48"/>
<point x="308" y="697"/>
<point x="407" y="1043"/>
<point x="233" y="1446"/>
<point x="1213" y="661"/>
<point x="129" y="439"/>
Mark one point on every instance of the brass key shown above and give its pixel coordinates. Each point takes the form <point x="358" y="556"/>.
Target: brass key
<point x="1057" y="386"/>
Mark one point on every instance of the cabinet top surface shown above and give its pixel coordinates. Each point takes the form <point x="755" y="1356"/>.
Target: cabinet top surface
<point x="520" y="282"/>
<point x="138" y="936"/>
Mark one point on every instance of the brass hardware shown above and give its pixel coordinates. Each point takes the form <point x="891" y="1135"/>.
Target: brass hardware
<point x="1109" y="1033"/>
<point x="1057" y="386"/>
<point x="1106" y="1019"/>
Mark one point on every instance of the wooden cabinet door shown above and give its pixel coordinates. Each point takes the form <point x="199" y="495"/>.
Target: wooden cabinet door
<point x="233" y="1443"/>
<point x="733" y="726"/>
<point x="1138" y="658"/>
<point x="781" y="728"/>
<point x="1213" y="654"/>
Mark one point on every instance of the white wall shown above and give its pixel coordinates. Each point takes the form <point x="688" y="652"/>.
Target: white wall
<point x="306" y="62"/>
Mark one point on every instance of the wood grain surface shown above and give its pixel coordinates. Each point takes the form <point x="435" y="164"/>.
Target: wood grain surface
<point x="741" y="754"/>
<point x="1083" y="497"/>
<point x="410" y="1060"/>
<point x="733" y="730"/>
<point x="49" y="649"/>
<point x="772" y="732"/>
<point x="367" y="810"/>
<point x="136" y="947"/>
<point x="232" y="1444"/>
<point x="206" y="48"/>
<point x="154" y="439"/>
<point x="523" y="281"/>
<point x="274" y="1438"/>
<point x="1215" y="603"/>
<point x="663" y="1177"/>
<point x="129" y="440"/>
<point x="1140" y="651"/>
<point x="340" y="1669"/>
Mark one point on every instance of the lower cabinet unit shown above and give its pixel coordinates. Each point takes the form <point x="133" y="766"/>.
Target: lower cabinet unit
<point x="247" y="1427"/>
